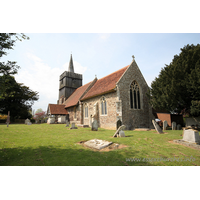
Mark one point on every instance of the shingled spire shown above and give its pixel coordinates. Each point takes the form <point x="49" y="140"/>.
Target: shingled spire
<point x="71" y="66"/>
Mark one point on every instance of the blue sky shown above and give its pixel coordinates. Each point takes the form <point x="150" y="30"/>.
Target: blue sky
<point x="46" y="55"/>
<point x="102" y="36"/>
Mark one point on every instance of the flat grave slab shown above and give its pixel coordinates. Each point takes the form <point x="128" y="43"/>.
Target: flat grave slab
<point x="97" y="144"/>
<point x="142" y="129"/>
<point x="189" y="144"/>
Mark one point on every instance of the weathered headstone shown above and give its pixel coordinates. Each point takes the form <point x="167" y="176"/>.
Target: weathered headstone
<point x="164" y="125"/>
<point x="67" y="123"/>
<point x="179" y="127"/>
<point x="8" y="119"/>
<point x="73" y="126"/>
<point x="121" y="134"/>
<point x="97" y="144"/>
<point x="94" y="125"/>
<point x="27" y="121"/>
<point x="173" y="125"/>
<point x="119" y="123"/>
<point x="190" y="135"/>
<point x="119" y="129"/>
<point x="157" y="127"/>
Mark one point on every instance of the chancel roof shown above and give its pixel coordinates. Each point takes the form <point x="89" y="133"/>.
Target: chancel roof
<point x="105" y="85"/>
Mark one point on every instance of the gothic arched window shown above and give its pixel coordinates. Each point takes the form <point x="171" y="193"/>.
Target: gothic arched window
<point x="135" y="95"/>
<point x="86" y="110"/>
<point x="103" y="106"/>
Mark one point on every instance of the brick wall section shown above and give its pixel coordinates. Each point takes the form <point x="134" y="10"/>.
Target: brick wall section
<point x="132" y="118"/>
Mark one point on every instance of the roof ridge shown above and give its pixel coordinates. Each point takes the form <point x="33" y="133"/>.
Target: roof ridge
<point x="114" y="72"/>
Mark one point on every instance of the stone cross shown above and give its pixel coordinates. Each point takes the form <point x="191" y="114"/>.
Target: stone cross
<point x="118" y="130"/>
<point x="157" y="127"/>
<point x="133" y="57"/>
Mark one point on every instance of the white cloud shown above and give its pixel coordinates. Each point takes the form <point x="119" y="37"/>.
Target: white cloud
<point x="40" y="77"/>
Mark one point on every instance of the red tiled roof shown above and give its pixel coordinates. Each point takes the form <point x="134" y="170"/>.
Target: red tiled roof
<point x="76" y="95"/>
<point x="57" y="109"/>
<point x="105" y="84"/>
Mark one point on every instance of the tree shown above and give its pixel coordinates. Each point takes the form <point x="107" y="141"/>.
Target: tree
<point x="6" y="43"/>
<point x="17" y="98"/>
<point x="14" y="97"/>
<point x="40" y="115"/>
<point x="178" y="83"/>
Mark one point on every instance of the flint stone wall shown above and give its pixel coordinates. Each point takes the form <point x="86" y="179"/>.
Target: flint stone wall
<point x="133" y="118"/>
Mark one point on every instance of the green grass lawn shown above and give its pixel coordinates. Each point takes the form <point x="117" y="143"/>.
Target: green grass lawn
<point x="56" y="145"/>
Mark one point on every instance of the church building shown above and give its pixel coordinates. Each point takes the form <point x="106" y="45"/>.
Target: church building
<point x="117" y="97"/>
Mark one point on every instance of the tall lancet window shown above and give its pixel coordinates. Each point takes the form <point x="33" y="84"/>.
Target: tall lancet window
<point x="86" y="110"/>
<point x="103" y="106"/>
<point x="135" y="95"/>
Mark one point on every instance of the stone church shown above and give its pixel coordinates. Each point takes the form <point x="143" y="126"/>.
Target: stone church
<point x="117" y="97"/>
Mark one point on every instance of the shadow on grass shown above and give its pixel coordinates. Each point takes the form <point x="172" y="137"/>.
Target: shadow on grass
<point x="51" y="156"/>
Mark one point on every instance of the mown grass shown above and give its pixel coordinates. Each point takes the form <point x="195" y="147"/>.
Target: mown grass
<point x="56" y="145"/>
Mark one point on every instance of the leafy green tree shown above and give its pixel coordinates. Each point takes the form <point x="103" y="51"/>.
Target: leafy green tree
<point x="17" y="98"/>
<point x="7" y="42"/>
<point x="178" y="83"/>
<point x="14" y="97"/>
<point x="195" y="108"/>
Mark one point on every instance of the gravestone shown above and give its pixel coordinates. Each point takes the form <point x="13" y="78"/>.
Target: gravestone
<point x="97" y="144"/>
<point x="157" y="127"/>
<point x="119" y="129"/>
<point x="190" y="135"/>
<point x="121" y="134"/>
<point x="27" y="121"/>
<point x="67" y="123"/>
<point x="94" y="125"/>
<point x="164" y="125"/>
<point x="179" y="127"/>
<point x="8" y="119"/>
<point x="73" y="126"/>
<point x="173" y="125"/>
<point x="119" y="123"/>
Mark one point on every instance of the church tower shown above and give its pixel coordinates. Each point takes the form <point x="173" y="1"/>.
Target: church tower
<point x="68" y="82"/>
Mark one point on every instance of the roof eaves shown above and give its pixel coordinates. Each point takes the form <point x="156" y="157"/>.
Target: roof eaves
<point x="112" y="90"/>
